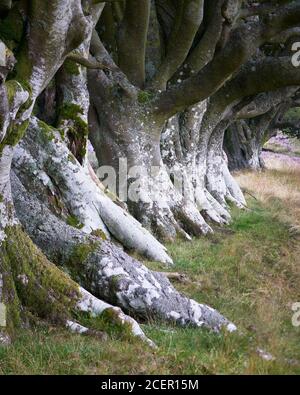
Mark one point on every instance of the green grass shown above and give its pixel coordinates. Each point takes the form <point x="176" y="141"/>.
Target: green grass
<point x="249" y="271"/>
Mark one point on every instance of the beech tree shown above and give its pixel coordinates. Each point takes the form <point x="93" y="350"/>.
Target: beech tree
<point x="193" y="58"/>
<point x="154" y="82"/>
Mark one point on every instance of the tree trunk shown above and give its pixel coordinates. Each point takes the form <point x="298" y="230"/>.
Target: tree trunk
<point x="185" y="147"/>
<point x="44" y="163"/>
<point x="243" y="146"/>
<point x="220" y="182"/>
<point x="121" y="128"/>
<point x="31" y="287"/>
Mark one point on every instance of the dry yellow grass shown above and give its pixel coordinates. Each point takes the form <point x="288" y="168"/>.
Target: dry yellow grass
<point x="280" y="180"/>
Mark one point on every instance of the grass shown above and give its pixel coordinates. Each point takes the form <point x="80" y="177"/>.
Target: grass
<point x="294" y="149"/>
<point x="250" y="271"/>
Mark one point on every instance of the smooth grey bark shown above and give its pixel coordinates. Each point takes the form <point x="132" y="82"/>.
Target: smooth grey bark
<point x="44" y="160"/>
<point x="121" y="127"/>
<point x="107" y="272"/>
<point x="243" y="147"/>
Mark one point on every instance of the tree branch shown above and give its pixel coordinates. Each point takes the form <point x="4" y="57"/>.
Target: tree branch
<point x="204" y="51"/>
<point x="116" y="77"/>
<point x="88" y="63"/>
<point x="242" y="44"/>
<point x="185" y="27"/>
<point x="132" y="40"/>
<point x="264" y="102"/>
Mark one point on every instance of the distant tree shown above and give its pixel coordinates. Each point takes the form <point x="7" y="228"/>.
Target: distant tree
<point x="290" y="122"/>
<point x="244" y="139"/>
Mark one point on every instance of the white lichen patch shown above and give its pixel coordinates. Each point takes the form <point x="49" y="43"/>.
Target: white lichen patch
<point x="174" y="314"/>
<point x="23" y="279"/>
<point x="231" y="327"/>
<point x="197" y="311"/>
<point x="74" y="327"/>
<point x="110" y="270"/>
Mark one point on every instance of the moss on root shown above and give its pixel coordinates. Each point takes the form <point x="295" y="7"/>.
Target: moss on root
<point x="72" y="67"/>
<point x="82" y="251"/>
<point x="47" y="132"/>
<point x="109" y="322"/>
<point x="145" y="97"/>
<point x="9" y="300"/>
<point x="77" y="129"/>
<point x="14" y="134"/>
<point x="99" y="233"/>
<point x="11" y="87"/>
<point x="73" y="112"/>
<point x="17" y="128"/>
<point x="76" y="260"/>
<point x="34" y="283"/>
<point x="74" y="221"/>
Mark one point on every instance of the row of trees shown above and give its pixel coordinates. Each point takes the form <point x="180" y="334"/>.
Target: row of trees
<point x="155" y="82"/>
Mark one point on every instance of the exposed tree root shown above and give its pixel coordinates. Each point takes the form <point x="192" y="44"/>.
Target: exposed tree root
<point x="31" y="286"/>
<point x="108" y="272"/>
<point x="43" y="161"/>
<point x="170" y="216"/>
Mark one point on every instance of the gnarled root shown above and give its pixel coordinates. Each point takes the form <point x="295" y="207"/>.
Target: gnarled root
<point x="221" y="184"/>
<point x="167" y="211"/>
<point x="31" y="287"/>
<point x="44" y="164"/>
<point x="108" y="272"/>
